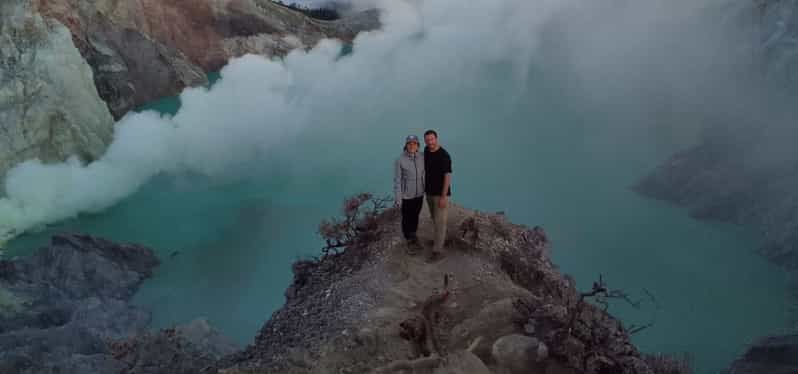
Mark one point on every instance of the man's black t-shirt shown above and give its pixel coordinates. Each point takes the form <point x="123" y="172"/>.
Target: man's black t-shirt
<point x="436" y="165"/>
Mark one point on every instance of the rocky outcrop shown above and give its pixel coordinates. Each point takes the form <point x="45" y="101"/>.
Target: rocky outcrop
<point x="65" y="310"/>
<point x="773" y="355"/>
<point x="144" y="50"/>
<point x="193" y="348"/>
<point x="740" y="177"/>
<point x="61" y="305"/>
<point x="493" y="304"/>
<point x="49" y="106"/>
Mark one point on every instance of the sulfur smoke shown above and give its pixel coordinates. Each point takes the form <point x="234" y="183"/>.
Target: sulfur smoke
<point x="641" y="60"/>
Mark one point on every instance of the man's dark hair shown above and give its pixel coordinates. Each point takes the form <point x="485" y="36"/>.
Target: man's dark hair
<point x="431" y="132"/>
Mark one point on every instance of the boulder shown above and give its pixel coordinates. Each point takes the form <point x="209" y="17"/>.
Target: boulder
<point x="490" y="324"/>
<point x="519" y="354"/>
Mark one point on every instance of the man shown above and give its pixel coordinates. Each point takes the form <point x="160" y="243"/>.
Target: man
<point x="437" y="186"/>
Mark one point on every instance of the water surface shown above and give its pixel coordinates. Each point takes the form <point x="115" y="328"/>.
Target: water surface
<point x="541" y="157"/>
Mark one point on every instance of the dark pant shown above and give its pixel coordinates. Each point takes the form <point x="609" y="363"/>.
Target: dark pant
<point x="411" y="209"/>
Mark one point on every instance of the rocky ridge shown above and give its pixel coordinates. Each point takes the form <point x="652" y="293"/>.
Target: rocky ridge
<point x="494" y="304"/>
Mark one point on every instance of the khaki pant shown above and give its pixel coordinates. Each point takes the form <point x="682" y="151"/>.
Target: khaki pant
<point x="439" y="216"/>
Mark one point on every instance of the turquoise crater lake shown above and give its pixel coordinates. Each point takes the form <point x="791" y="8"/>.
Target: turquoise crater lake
<point x="227" y="243"/>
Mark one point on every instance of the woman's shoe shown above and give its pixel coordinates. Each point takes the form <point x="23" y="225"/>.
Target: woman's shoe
<point x="413" y="247"/>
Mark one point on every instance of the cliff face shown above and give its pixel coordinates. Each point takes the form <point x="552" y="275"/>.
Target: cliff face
<point x="143" y="50"/>
<point x="49" y="107"/>
<point x="57" y="84"/>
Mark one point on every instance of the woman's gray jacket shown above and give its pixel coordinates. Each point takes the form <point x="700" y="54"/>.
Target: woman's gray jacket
<point x="408" y="180"/>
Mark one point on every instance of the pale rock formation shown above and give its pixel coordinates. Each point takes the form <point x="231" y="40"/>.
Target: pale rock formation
<point x="49" y="106"/>
<point x="143" y="50"/>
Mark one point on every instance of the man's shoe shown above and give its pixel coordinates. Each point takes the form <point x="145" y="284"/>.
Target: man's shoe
<point x="434" y="255"/>
<point x="417" y="245"/>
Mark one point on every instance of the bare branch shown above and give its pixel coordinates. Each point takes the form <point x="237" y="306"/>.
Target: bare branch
<point x="474" y="344"/>
<point x="358" y="224"/>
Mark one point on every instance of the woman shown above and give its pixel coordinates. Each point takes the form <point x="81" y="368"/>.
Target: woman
<point x="408" y="186"/>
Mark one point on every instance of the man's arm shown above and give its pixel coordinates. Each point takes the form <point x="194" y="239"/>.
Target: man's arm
<point x="447" y="181"/>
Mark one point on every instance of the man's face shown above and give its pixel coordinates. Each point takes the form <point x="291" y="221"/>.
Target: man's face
<point x="431" y="140"/>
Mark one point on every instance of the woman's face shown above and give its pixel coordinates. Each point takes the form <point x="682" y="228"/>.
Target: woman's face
<point x="412" y="147"/>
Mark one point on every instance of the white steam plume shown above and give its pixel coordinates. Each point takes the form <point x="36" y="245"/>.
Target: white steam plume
<point x="441" y="47"/>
